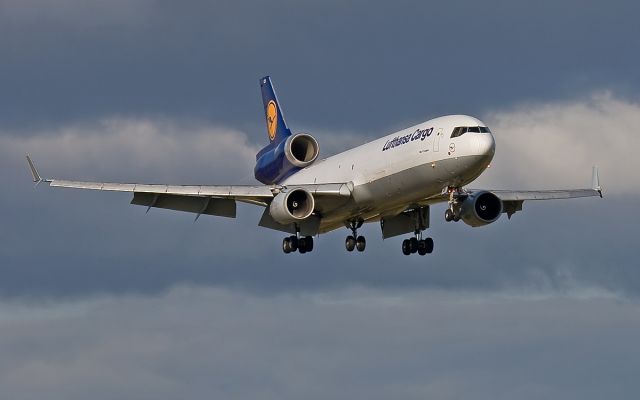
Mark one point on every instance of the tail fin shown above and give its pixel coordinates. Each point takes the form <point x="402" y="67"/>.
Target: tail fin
<point x="276" y="126"/>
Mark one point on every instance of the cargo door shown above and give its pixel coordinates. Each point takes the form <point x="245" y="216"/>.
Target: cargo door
<point x="436" y="140"/>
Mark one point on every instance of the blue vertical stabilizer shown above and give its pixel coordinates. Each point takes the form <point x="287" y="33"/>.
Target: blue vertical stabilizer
<point x="277" y="129"/>
<point x="271" y="163"/>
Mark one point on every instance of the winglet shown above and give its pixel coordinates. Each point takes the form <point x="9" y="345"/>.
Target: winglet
<point x="595" y="181"/>
<point x="34" y="172"/>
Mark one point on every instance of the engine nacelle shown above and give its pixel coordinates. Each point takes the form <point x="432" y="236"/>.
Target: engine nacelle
<point x="291" y="206"/>
<point x="278" y="161"/>
<point x="301" y="149"/>
<point x="481" y="208"/>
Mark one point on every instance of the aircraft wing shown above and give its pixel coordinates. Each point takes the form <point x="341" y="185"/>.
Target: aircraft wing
<point x="521" y="195"/>
<point x="199" y="199"/>
<point x="513" y="199"/>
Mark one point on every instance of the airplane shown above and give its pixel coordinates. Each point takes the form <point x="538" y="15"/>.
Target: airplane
<point x="393" y="180"/>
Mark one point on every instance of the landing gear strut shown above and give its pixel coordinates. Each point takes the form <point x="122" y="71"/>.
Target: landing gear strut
<point x="302" y="244"/>
<point x="354" y="241"/>
<point x="453" y="212"/>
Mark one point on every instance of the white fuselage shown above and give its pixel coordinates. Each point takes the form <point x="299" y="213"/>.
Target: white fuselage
<point x="402" y="169"/>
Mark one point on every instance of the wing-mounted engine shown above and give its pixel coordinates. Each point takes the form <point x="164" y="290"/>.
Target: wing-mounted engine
<point x="276" y="163"/>
<point x="292" y="206"/>
<point x="480" y="208"/>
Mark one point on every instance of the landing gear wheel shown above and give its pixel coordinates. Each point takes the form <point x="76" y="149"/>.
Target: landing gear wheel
<point x="294" y="242"/>
<point x="406" y="247"/>
<point x="422" y="247"/>
<point x="286" y="245"/>
<point x="361" y="243"/>
<point x="456" y="218"/>
<point x="449" y="215"/>
<point x="429" y="245"/>
<point x="350" y="243"/>
<point x="413" y="245"/>
<point x="309" y="243"/>
<point x="302" y="245"/>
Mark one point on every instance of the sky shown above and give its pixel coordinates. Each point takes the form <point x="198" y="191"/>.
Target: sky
<point x="99" y="299"/>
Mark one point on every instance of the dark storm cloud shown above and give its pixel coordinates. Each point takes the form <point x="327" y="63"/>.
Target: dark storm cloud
<point x="336" y="65"/>
<point x="194" y="343"/>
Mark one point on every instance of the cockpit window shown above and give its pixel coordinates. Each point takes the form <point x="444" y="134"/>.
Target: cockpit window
<point x="461" y="130"/>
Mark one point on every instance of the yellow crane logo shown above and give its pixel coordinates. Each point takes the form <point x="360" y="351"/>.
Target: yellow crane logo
<point x="272" y="119"/>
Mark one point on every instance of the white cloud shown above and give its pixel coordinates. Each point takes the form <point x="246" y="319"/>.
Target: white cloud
<point x="135" y="149"/>
<point x="554" y="145"/>
<point x="197" y="342"/>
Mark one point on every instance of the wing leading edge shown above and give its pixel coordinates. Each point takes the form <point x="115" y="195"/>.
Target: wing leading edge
<point x="521" y="195"/>
<point x="513" y="199"/>
<point x="199" y="199"/>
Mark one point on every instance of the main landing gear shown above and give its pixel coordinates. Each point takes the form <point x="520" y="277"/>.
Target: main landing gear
<point x="417" y="244"/>
<point x="294" y="243"/>
<point x="354" y="241"/>
<point x="302" y="244"/>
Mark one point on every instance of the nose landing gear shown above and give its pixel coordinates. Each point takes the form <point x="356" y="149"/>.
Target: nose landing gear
<point x="451" y="215"/>
<point x="453" y="212"/>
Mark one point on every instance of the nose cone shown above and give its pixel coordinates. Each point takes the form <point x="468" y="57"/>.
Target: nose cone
<point x="485" y="145"/>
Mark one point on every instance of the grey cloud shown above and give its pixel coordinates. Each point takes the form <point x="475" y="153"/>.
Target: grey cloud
<point x="340" y="66"/>
<point x="97" y="298"/>
<point x="203" y="342"/>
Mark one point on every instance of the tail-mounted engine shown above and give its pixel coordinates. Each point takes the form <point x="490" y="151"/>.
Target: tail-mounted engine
<point x="480" y="208"/>
<point x="292" y="206"/>
<point x="301" y="149"/>
<point x="277" y="162"/>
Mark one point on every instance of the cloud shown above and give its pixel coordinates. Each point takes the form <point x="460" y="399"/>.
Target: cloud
<point x="555" y="144"/>
<point x="65" y="243"/>
<point x="130" y="149"/>
<point x="67" y="60"/>
<point x="202" y="342"/>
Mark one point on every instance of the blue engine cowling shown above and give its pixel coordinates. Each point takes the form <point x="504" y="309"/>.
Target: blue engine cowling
<point x="278" y="161"/>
